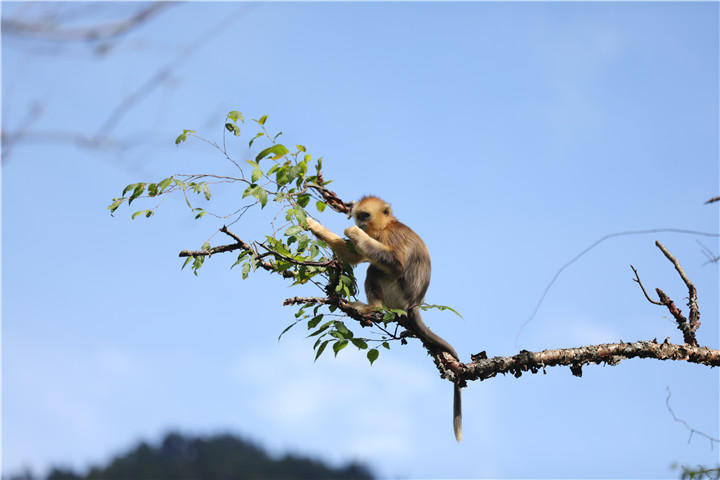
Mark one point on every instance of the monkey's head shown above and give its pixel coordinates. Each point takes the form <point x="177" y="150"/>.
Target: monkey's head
<point x="372" y="214"/>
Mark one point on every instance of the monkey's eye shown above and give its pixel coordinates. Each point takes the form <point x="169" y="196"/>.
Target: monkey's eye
<point x="362" y="216"/>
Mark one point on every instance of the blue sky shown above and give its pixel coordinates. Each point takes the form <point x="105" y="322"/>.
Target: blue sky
<point x="510" y="136"/>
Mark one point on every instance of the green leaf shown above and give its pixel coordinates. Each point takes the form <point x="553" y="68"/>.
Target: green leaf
<point x="320" y="205"/>
<point x="183" y="136"/>
<point x="231" y="127"/>
<point x="359" y="343"/>
<point x="339" y="345"/>
<point x="240" y="258"/>
<point x="132" y="186"/>
<point x="116" y="203"/>
<point x="187" y="260"/>
<point x="295" y="229"/>
<point x="312" y="323"/>
<point x="277" y="150"/>
<point x="245" y="271"/>
<point x="197" y="264"/>
<point x="262" y="120"/>
<point x="256" y="175"/>
<point x="321" y="349"/>
<point x="343" y="330"/>
<point x="373" y="355"/>
<point x="282" y="176"/>
<point x="426" y="307"/>
<point x="257" y="192"/>
<point x="386" y="345"/>
<point x="139" y="188"/>
<point x="303" y="242"/>
<point x="303" y="199"/>
<point x="262" y="196"/>
<point x="206" y="191"/>
<point x="320" y="330"/>
<point x="164" y="184"/>
<point x="286" y="329"/>
<point x="301" y="217"/>
<point x="235" y="116"/>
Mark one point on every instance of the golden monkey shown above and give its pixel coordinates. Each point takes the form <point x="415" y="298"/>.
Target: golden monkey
<point x="399" y="271"/>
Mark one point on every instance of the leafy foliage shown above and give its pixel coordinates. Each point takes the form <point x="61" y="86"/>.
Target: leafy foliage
<point x="700" y="473"/>
<point x="285" y="182"/>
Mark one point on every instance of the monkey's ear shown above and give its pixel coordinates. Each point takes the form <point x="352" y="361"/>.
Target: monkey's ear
<point x="386" y="209"/>
<point x="350" y="206"/>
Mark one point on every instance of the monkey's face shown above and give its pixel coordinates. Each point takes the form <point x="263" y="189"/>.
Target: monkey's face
<point x="372" y="215"/>
<point x="362" y="218"/>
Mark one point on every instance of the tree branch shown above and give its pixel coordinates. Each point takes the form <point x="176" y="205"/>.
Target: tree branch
<point x="483" y="368"/>
<point x="694" y="321"/>
<point x="239" y="245"/>
<point x="48" y="30"/>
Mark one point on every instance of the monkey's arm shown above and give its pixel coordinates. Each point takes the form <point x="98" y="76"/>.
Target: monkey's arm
<point x="377" y="253"/>
<point x="336" y="243"/>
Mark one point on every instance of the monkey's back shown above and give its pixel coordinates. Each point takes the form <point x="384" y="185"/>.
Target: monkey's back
<point x="414" y="257"/>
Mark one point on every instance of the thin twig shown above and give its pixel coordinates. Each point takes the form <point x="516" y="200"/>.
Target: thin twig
<point x="238" y="245"/>
<point x="680" y="420"/>
<point x="709" y="254"/>
<point x="292" y="260"/>
<point x="637" y="279"/>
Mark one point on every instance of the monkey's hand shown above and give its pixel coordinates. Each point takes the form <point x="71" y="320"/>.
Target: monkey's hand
<point x="353" y="232"/>
<point x="336" y="243"/>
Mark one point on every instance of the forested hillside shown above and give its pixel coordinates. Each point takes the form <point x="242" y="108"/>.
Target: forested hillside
<point x="205" y="458"/>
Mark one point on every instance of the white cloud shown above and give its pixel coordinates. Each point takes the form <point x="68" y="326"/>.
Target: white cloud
<point x="338" y="404"/>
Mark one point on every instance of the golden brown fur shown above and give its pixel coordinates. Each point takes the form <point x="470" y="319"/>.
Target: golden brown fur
<point x="399" y="271"/>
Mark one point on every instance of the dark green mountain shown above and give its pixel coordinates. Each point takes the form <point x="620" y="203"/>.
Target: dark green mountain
<point x="222" y="457"/>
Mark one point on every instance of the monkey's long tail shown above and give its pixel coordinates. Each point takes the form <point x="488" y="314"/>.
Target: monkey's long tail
<point x="427" y="335"/>
<point x="434" y="339"/>
<point x="457" y="413"/>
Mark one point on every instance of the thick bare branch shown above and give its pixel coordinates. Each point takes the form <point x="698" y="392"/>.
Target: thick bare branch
<point x="483" y="368"/>
<point x="694" y="320"/>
